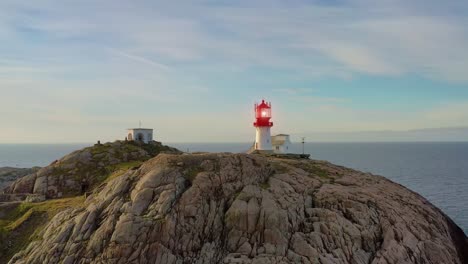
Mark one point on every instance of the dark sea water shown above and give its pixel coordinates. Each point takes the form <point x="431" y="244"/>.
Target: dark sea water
<point x="437" y="171"/>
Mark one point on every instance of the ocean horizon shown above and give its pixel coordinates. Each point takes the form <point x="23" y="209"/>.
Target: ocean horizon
<point x="436" y="170"/>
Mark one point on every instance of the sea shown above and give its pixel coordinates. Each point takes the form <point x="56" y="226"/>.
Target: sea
<point x="436" y="170"/>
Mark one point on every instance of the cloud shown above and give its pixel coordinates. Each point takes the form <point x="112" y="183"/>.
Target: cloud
<point x="140" y="59"/>
<point x="359" y="59"/>
<point x="389" y="38"/>
<point x="71" y="61"/>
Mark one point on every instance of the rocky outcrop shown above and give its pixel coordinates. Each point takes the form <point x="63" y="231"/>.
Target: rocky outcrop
<point x="238" y="208"/>
<point x="81" y="170"/>
<point x="9" y="174"/>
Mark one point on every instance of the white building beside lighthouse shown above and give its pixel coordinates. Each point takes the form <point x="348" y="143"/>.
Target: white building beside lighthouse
<point x="281" y="143"/>
<point x="144" y="135"/>
<point x="262" y="126"/>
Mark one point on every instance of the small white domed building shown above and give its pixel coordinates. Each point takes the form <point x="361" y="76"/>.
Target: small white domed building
<point x="144" y="135"/>
<point x="281" y="143"/>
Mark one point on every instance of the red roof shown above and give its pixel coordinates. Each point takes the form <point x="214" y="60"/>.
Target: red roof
<point x="263" y="105"/>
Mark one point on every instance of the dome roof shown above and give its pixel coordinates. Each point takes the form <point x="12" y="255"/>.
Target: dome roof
<point x="264" y="105"/>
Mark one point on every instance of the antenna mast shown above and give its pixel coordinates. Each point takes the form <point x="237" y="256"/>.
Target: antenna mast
<point x="303" y="142"/>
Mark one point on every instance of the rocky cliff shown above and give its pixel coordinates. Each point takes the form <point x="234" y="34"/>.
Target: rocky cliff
<point x="8" y="174"/>
<point x="81" y="170"/>
<point x="238" y="208"/>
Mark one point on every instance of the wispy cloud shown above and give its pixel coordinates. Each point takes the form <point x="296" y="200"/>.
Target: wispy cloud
<point x="389" y="38"/>
<point x="82" y="58"/>
<point x="140" y="59"/>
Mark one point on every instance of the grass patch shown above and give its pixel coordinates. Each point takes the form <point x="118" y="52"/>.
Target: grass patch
<point x="12" y="241"/>
<point x="314" y="170"/>
<point x="113" y="175"/>
<point x="232" y="217"/>
<point x="279" y="168"/>
<point x="161" y="220"/>
<point x="18" y="222"/>
<point x="98" y="149"/>
<point x="319" y="172"/>
<point x="118" y="170"/>
<point x="128" y="165"/>
<point x="264" y="185"/>
<point x="242" y="196"/>
<point x="26" y="221"/>
<point x="96" y="170"/>
<point x="130" y="147"/>
<point x="192" y="172"/>
<point x="153" y="148"/>
<point x="52" y="207"/>
<point x="18" y="212"/>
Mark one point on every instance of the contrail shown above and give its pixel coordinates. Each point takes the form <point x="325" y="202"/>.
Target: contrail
<point x="140" y="59"/>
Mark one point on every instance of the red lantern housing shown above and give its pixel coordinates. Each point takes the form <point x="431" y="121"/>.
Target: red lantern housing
<point x="263" y="114"/>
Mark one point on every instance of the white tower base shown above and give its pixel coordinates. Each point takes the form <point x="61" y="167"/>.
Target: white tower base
<point x="263" y="139"/>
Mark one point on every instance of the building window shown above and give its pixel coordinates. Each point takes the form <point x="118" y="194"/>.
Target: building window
<point x="277" y="147"/>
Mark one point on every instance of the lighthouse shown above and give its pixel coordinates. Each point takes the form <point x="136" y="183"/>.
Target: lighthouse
<point x="262" y="126"/>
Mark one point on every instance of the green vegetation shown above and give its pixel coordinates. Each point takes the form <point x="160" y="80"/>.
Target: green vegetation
<point x="110" y="172"/>
<point x="98" y="149"/>
<point x="192" y="172"/>
<point x="152" y="149"/>
<point x="319" y="171"/>
<point x="161" y="220"/>
<point x="119" y="169"/>
<point x="236" y="195"/>
<point x="279" y="168"/>
<point x="264" y="185"/>
<point x="314" y="170"/>
<point x="102" y="162"/>
<point x="232" y="217"/>
<point x="25" y="222"/>
<point x="125" y="165"/>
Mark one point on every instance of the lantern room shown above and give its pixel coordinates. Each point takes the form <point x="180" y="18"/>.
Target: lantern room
<point x="263" y="114"/>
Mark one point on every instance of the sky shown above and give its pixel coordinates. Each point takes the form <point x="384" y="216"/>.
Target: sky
<point x="81" y="71"/>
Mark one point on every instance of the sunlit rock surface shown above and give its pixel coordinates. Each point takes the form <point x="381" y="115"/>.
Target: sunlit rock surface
<point x="238" y="208"/>
<point x="9" y="174"/>
<point x="80" y="170"/>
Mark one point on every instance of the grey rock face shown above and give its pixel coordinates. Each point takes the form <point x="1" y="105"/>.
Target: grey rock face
<point x="8" y="174"/>
<point x="87" y="166"/>
<point x="237" y="208"/>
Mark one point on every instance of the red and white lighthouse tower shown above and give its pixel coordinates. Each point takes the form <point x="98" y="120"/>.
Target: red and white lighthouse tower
<point x="262" y="126"/>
